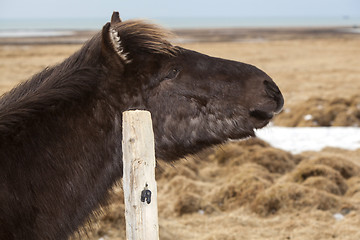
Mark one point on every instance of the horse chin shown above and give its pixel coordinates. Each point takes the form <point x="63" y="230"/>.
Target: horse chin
<point x="260" y="118"/>
<point x="261" y="124"/>
<point x="258" y="124"/>
<point x="243" y="134"/>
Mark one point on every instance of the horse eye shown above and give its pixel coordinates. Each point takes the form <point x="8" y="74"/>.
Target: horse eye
<point x="172" y="74"/>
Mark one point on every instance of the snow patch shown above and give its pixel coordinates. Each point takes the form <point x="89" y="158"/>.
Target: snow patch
<point x="308" y="117"/>
<point x="300" y="139"/>
<point x="338" y="216"/>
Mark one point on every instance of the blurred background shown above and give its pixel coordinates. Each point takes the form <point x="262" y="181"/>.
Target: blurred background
<point x="91" y="15"/>
<point x="300" y="179"/>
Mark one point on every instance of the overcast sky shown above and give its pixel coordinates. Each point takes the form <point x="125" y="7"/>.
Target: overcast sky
<point x="25" y="9"/>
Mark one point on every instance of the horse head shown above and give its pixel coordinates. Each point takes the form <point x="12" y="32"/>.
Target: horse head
<point x="195" y="100"/>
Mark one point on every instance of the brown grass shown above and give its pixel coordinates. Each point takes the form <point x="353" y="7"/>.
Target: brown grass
<point x="291" y="197"/>
<point x="255" y="150"/>
<point x="322" y="112"/>
<point x="213" y="199"/>
<point x="324" y="176"/>
<point x="354" y="188"/>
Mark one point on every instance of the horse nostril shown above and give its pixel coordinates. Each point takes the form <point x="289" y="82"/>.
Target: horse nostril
<point x="274" y="92"/>
<point x="271" y="88"/>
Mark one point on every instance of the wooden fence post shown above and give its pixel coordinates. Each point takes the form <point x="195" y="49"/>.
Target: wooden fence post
<point x="140" y="191"/>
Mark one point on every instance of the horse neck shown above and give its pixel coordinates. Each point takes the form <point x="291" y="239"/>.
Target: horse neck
<point x="61" y="146"/>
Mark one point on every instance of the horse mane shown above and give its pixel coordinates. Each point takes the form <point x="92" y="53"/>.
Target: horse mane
<point x="140" y="36"/>
<point x="69" y="82"/>
<point x="50" y="90"/>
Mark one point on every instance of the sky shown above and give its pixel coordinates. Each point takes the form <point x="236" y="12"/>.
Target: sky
<point x="47" y="9"/>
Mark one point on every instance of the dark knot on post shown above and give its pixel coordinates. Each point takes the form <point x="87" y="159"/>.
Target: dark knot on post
<point x="146" y="195"/>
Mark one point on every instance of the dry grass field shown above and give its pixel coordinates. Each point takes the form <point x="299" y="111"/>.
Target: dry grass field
<point x="250" y="190"/>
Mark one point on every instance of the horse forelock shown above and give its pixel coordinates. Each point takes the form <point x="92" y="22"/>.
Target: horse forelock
<point x="140" y="36"/>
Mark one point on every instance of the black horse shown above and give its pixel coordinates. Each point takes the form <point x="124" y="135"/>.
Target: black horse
<point x="60" y="131"/>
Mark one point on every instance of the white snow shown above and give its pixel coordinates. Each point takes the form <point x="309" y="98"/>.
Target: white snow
<point x="301" y="139"/>
<point x="338" y="216"/>
<point x="308" y="117"/>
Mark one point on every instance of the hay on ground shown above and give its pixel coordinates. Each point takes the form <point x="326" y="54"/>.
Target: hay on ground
<point x="354" y="188"/>
<point x="241" y="186"/>
<point x="330" y="177"/>
<point x="289" y="197"/>
<point x="345" y="167"/>
<point x="236" y="154"/>
<point x="322" y="112"/>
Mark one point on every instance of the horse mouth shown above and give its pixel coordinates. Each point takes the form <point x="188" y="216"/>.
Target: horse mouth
<point x="262" y="117"/>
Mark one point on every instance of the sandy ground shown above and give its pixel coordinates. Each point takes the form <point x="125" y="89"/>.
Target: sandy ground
<point x="251" y="190"/>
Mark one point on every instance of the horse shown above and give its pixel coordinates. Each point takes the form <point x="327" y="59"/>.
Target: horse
<point x="60" y="131"/>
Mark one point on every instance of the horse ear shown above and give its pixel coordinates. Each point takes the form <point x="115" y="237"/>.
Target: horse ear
<point x="115" y="18"/>
<point x="111" y="45"/>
